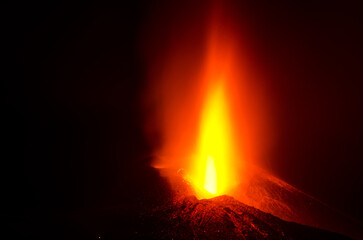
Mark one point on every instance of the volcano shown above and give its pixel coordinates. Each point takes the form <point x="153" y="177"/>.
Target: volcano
<point x="221" y="217"/>
<point x="264" y="206"/>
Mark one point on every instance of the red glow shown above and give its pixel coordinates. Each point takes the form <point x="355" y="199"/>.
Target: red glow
<point x="207" y="107"/>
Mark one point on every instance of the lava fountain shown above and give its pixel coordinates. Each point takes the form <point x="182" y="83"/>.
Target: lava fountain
<point x="204" y="106"/>
<point x="207" y="122"/>
<point x="205" y="109"/>
<point x="212" y="166"/>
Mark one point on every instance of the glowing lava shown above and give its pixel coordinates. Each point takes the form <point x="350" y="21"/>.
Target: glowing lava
<point x="203" y="106"/>
<point x="213" y="160"/>
<point x="210" y="182"/>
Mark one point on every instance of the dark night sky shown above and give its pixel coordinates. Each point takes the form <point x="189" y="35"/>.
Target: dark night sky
<point x="73" y="79"/>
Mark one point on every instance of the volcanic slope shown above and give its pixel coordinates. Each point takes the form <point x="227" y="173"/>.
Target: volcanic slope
<point x="263" y="191"/>
<point x="221" y="217"/>
<point x="272" y="195"/>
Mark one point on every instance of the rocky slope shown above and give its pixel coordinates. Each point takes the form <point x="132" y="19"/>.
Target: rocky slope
<point x="222" y="217"/>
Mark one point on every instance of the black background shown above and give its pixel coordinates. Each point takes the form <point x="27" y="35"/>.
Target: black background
<point x="73" y="77"/>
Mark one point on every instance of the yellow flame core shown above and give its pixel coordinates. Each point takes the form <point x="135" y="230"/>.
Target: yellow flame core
<point x="210" y="182"/>
<point x="212" y="162"/>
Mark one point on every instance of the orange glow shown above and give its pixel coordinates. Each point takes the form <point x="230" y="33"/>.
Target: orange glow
<point x="212" y="166"/>
<point x="203" y="107"/>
